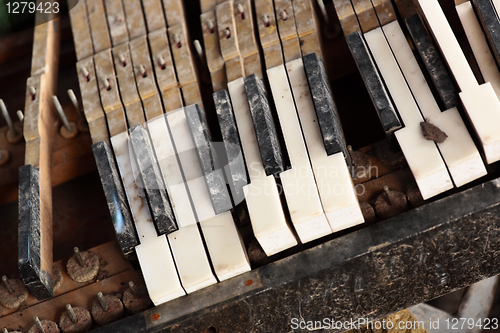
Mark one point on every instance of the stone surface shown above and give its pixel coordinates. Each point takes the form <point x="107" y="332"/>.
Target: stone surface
<point x="487" y="15"/>
<point x="195" y="117"/>
<point x="152" y="182"/>
<point x="326" y="110"/>
<point x="435" y="66"/>
<point x="115" y="197"/>
<point x="38" y="282"/>
<point x="265" y="129"/>
<point x="84" y="273"/>
<point x="374" y="84"/>
<point x="235" y="169"/>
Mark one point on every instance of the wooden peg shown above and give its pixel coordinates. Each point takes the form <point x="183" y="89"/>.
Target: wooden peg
<point x="215" y="62"/>
<point x="268" y="33"/>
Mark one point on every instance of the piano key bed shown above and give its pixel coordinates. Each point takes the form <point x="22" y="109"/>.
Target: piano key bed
<point x="246" y="207"/>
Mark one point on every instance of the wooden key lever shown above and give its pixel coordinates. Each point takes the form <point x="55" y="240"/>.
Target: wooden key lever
<point x="35" y="182"/>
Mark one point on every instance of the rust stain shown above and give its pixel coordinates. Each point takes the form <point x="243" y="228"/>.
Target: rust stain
<point x="155" y="316"/>
<point x="248" y="283"/>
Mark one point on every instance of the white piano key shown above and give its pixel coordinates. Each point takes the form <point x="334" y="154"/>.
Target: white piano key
<point x="187" y="244"/>
<point x="225" y="246"/>
<point x="480" y="102"/>
<point x="298" y="182"/>
<point x="334" y="182"/>
<point x="262" y="197"/>
<point x="171" y="171"/>
<point x="422" y="155"/>
<point x="225" y="249"/>
<point x="479" y="45"/>
<point x="458" y="150"/>
<point x="155" y="257"/>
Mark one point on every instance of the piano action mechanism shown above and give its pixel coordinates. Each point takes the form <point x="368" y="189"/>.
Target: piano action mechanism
<point x="171" y="172"/>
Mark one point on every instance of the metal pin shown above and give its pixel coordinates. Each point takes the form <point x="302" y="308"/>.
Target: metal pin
<point x="122" y="59"/>
<point x="38" y="324"/>
<point x="227" y="33"/>
<point x="132" y="288"/>
<point x="106" y="84"/>
<point x="210" y="26"/>
<point x="32" y="91"/>
<point x="4" y="330"/>
<point x="351" y="153"/>
<point x="103" y="301"/>
<point x="61" y="113"/>
<point x="7" y="284"/>
<point x="74" y="100"/>
<point x="71" y="313"/>
<point x="177" y="41"/>
<point x="85" y="73"/>
<point x="388" y="194"/>
<point x="20" y="115"/>
<point x="241" y="11"/>
<point x="265" y="19"/>
<point x="7" y="117"/>
<point x="78" y="256"/>
<point x="199" y="50"/>
<point x="284" y="15"/>
<point x="142" y="69"/>
<point x="161" y="62"/>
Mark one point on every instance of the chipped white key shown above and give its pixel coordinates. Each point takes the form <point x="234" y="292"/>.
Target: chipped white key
<point x="480" y="101"/>
<point x="479" y="45"/>
<point x="334" y="182"/>
<point x="424" y="159"/>
<point x="225" y="248"/>
<point x="155" y="257"/>
<point x="187" y="244"/>
<point x="262" y="197"/>
<point x="458" y="150"/>
<point x="298" y="182"/>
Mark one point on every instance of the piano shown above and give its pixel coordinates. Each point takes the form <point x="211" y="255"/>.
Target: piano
<point x="243" y="166"/>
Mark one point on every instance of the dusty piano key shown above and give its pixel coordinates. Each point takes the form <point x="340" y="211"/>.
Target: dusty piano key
<point x="225" y="249"/>
<point x="174" y="12"/>
<point x="208" y="159"/>
<point x="267" y="138"/>
<point x="479" y="45"/>
<point x="135" y="19"/>
<point x="215" y="62"/>
<point x="30" y="256"/>
<point x="164" y="70"/>
<point x="433" y="62"/>
<point x="98" y="25"/>
<point x="479" y="101"/>
<point x="151" y="180"/>
<point x="80" y="28"/>
<point x="154" y="254"/>
<point x="116" y="198"/>
<point x="126" y="82"/>
<point x="326" y="110"/>
<point x="153" y="11"/>
<point x="491" y="25"/>
<point x="235" y="169"/>
<point x="108" y="90"/>
<point x="144" y="77"/>
<point x="116" y="21"/>
<point x="374" y="84"/>
<point x="307" y="27"/>
<point x="458" y="150"/>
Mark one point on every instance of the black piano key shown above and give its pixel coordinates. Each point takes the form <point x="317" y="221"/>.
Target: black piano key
<point x="116" y="198"/>
<point x="433" y="63"/>
<point x="235" y="169"/>
<point x="374" y="84"/>
<point x="326" y="110"/>
<point x="152" y="182"/>
<point x="30" y="249"/>
<point x="208" y="160"/>
<point x="265" y="130"/>
<point x="491" y="25"/>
